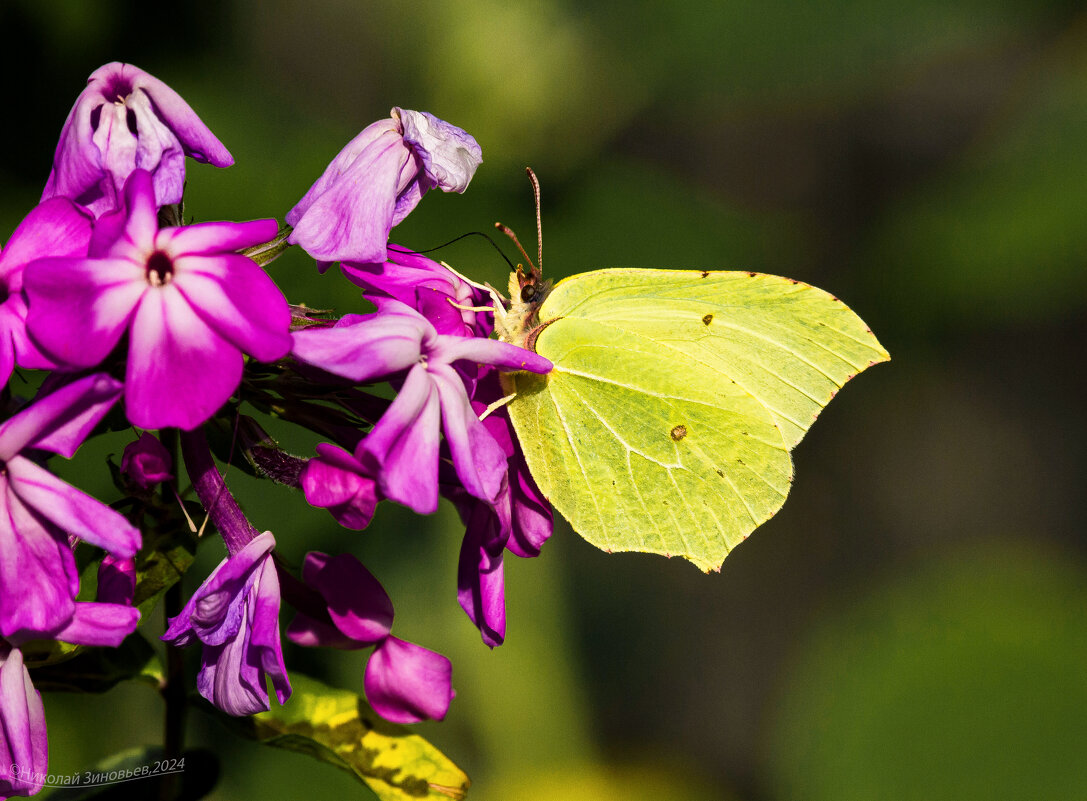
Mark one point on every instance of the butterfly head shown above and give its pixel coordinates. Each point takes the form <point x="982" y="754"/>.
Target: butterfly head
<point x="528" y="290"/>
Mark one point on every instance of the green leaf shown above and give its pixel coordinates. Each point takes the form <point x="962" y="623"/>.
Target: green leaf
<point x="676" y="397"/>
<point x="338" y="727"/>
<point x="95" y="670"/>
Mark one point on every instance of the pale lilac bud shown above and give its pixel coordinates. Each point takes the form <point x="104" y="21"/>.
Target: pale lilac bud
<point x="376" y="180"/>
<point x="125" y="120"/>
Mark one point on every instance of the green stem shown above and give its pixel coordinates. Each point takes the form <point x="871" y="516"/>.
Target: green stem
<point x="174" y="690"/>
<point x="173" y="693"/>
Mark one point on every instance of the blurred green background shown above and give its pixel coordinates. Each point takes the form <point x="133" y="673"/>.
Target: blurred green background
<point x="913" y="624"/>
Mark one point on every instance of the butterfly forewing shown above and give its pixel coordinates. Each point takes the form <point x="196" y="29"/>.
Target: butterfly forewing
<point x="792" y="346"/>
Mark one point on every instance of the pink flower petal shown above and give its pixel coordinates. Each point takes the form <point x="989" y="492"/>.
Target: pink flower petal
<point x="481" y="588"/>
<point x="238" y="299"/>
<point x="22" y="728"/>
<point x="351" y="218"/>
<point x="480" y="462"/>
<point x="264" y="630"/>
<point x="357" y="603"/>
<point x="363" y="348"/>
<point x="99" y="624"/>
<point x="142" y="220"/>
<point x="197" y="139"/>
<point x="56" y="227"/>
<point x="406" y="683"/>
<point x="116" y="580"/>
<point x="59" y="421"/>
<point x="212" y="238"/>
<point x="491" y="351"/>
<point x="450" y="156"/>
<point x="180" y="371"/>
<point x="404" y="443"/>
<point x="334" y="480"/>
<point x="38" y="577"/>
<point x="80" y="308"/>
<point x="311" y="633"/>
<point x="366" y="138"/>
<point x="71" y="510"/>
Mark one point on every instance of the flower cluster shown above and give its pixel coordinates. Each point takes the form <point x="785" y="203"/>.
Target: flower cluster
<point x="173" y="327"/>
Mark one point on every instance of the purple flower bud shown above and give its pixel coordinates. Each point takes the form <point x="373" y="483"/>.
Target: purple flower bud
<point x="235" y="615"/>
<point x="146" y="462"/>
<point x="116" y="580"/>
<point x="376" y="180"/>
<point x="24" y="749"/>
<point x="123" y="121"/>
<point x="190" y="304"/>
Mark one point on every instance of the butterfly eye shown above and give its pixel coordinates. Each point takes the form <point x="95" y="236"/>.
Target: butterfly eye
<point x="528" y="293"/>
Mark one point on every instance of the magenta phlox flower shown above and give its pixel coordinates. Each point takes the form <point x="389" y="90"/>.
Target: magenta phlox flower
<point x="39" y="512"/>
<point x="337" y="480"/>
<point x="56" y="227"/>
<point x="403" y="446"/>
<point x="519" y="519"/>
<point x="123" y="121"/>
<point x="24" y="748"/>
<point x="433" y="290"/>
<point x="376" y="180"/>
<point x="146" y="462"/>
<point x="190" y="304"/>
<point x="352" y="610"/>
<point x="404" y="682"/>
<point x="235" y="615"/>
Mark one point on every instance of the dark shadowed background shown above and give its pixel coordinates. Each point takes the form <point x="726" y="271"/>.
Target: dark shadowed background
<point x="912" y="624"/>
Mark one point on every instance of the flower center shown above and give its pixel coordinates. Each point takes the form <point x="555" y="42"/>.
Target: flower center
<point x="117" y="88"/>
<point x="160" y="270"/>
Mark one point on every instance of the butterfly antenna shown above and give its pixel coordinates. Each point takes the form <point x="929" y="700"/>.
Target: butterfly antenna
<point x="509" y="232"/>
<point x="398" y="249"/>
<point x="539" y="226"/>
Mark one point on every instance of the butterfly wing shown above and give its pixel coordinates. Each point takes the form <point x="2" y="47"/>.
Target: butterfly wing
<point x="676" y="397"/>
